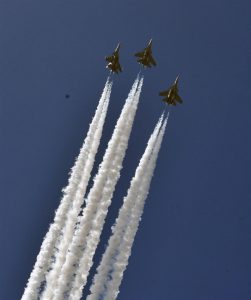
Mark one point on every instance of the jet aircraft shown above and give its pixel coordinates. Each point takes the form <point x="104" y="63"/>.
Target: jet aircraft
<point x="145" y="57"/>
<point x="113" y="61"/>
<point x="171" y="95"/>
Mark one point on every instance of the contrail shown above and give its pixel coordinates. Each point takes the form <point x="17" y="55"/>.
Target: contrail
<point x="47" y="250"/>
<point x="72" y="215"/>
<point x="105" y="267"/>
<point x="115" y="259"/>
<point x="99" y="196"/>
<point x="126" y="246"/>
<point x="93" y="238"/>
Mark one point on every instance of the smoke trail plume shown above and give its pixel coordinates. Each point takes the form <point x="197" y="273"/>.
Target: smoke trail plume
<point x="72" y="215"/>
<point x="47" y="250"/>
<point x="99" y="198"/>
<point x="93" y="238"/>
<point x="115" y="259"/>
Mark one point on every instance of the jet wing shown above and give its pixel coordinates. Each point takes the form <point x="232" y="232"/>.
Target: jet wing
<point x="164" y="93"/>
<point x="139" y="54"/>
<point x="119" y="67"/>
<point x="152" y="61"/>
<point x="109" y="58"/>
<point x="169" y="101"/>
<point x="148" y="64"/>
<point x="178" y="98"/>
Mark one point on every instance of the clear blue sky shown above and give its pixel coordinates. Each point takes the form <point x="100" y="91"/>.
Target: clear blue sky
<point x="194" y="241"/>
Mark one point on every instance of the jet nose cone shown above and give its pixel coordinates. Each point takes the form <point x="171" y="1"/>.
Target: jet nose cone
<point x="177" y="79"/>
<point x="117" y="48"/>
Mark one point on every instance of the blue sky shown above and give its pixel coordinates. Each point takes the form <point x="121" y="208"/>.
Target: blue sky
<point x="194" y="241"/>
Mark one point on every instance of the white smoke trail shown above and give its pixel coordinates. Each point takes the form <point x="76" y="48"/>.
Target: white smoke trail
<point x="47" y="250"/>
<point x="136" y="213"/>
<point x="93" y="238"/>
<point x="102" y="190"/>
<point x="121" y="222"/>
<point x="115" y="259"/>
<point x="72" y="215"/>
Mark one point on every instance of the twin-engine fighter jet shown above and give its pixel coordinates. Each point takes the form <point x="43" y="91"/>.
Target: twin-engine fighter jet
<point x="171" y="95"/>
<point x="145" y="57"/>
<point x="113" y="61"/>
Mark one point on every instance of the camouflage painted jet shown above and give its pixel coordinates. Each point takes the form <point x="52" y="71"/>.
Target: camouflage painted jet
<point x="145" y="57"/>
<point x="171" y="95"/>
<point x="113" y="61"/>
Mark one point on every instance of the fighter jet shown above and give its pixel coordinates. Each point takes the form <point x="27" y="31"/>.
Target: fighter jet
<point x="145" y="57"/>
<point x="113" y="61"/>
<point x="171" y="95"/>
